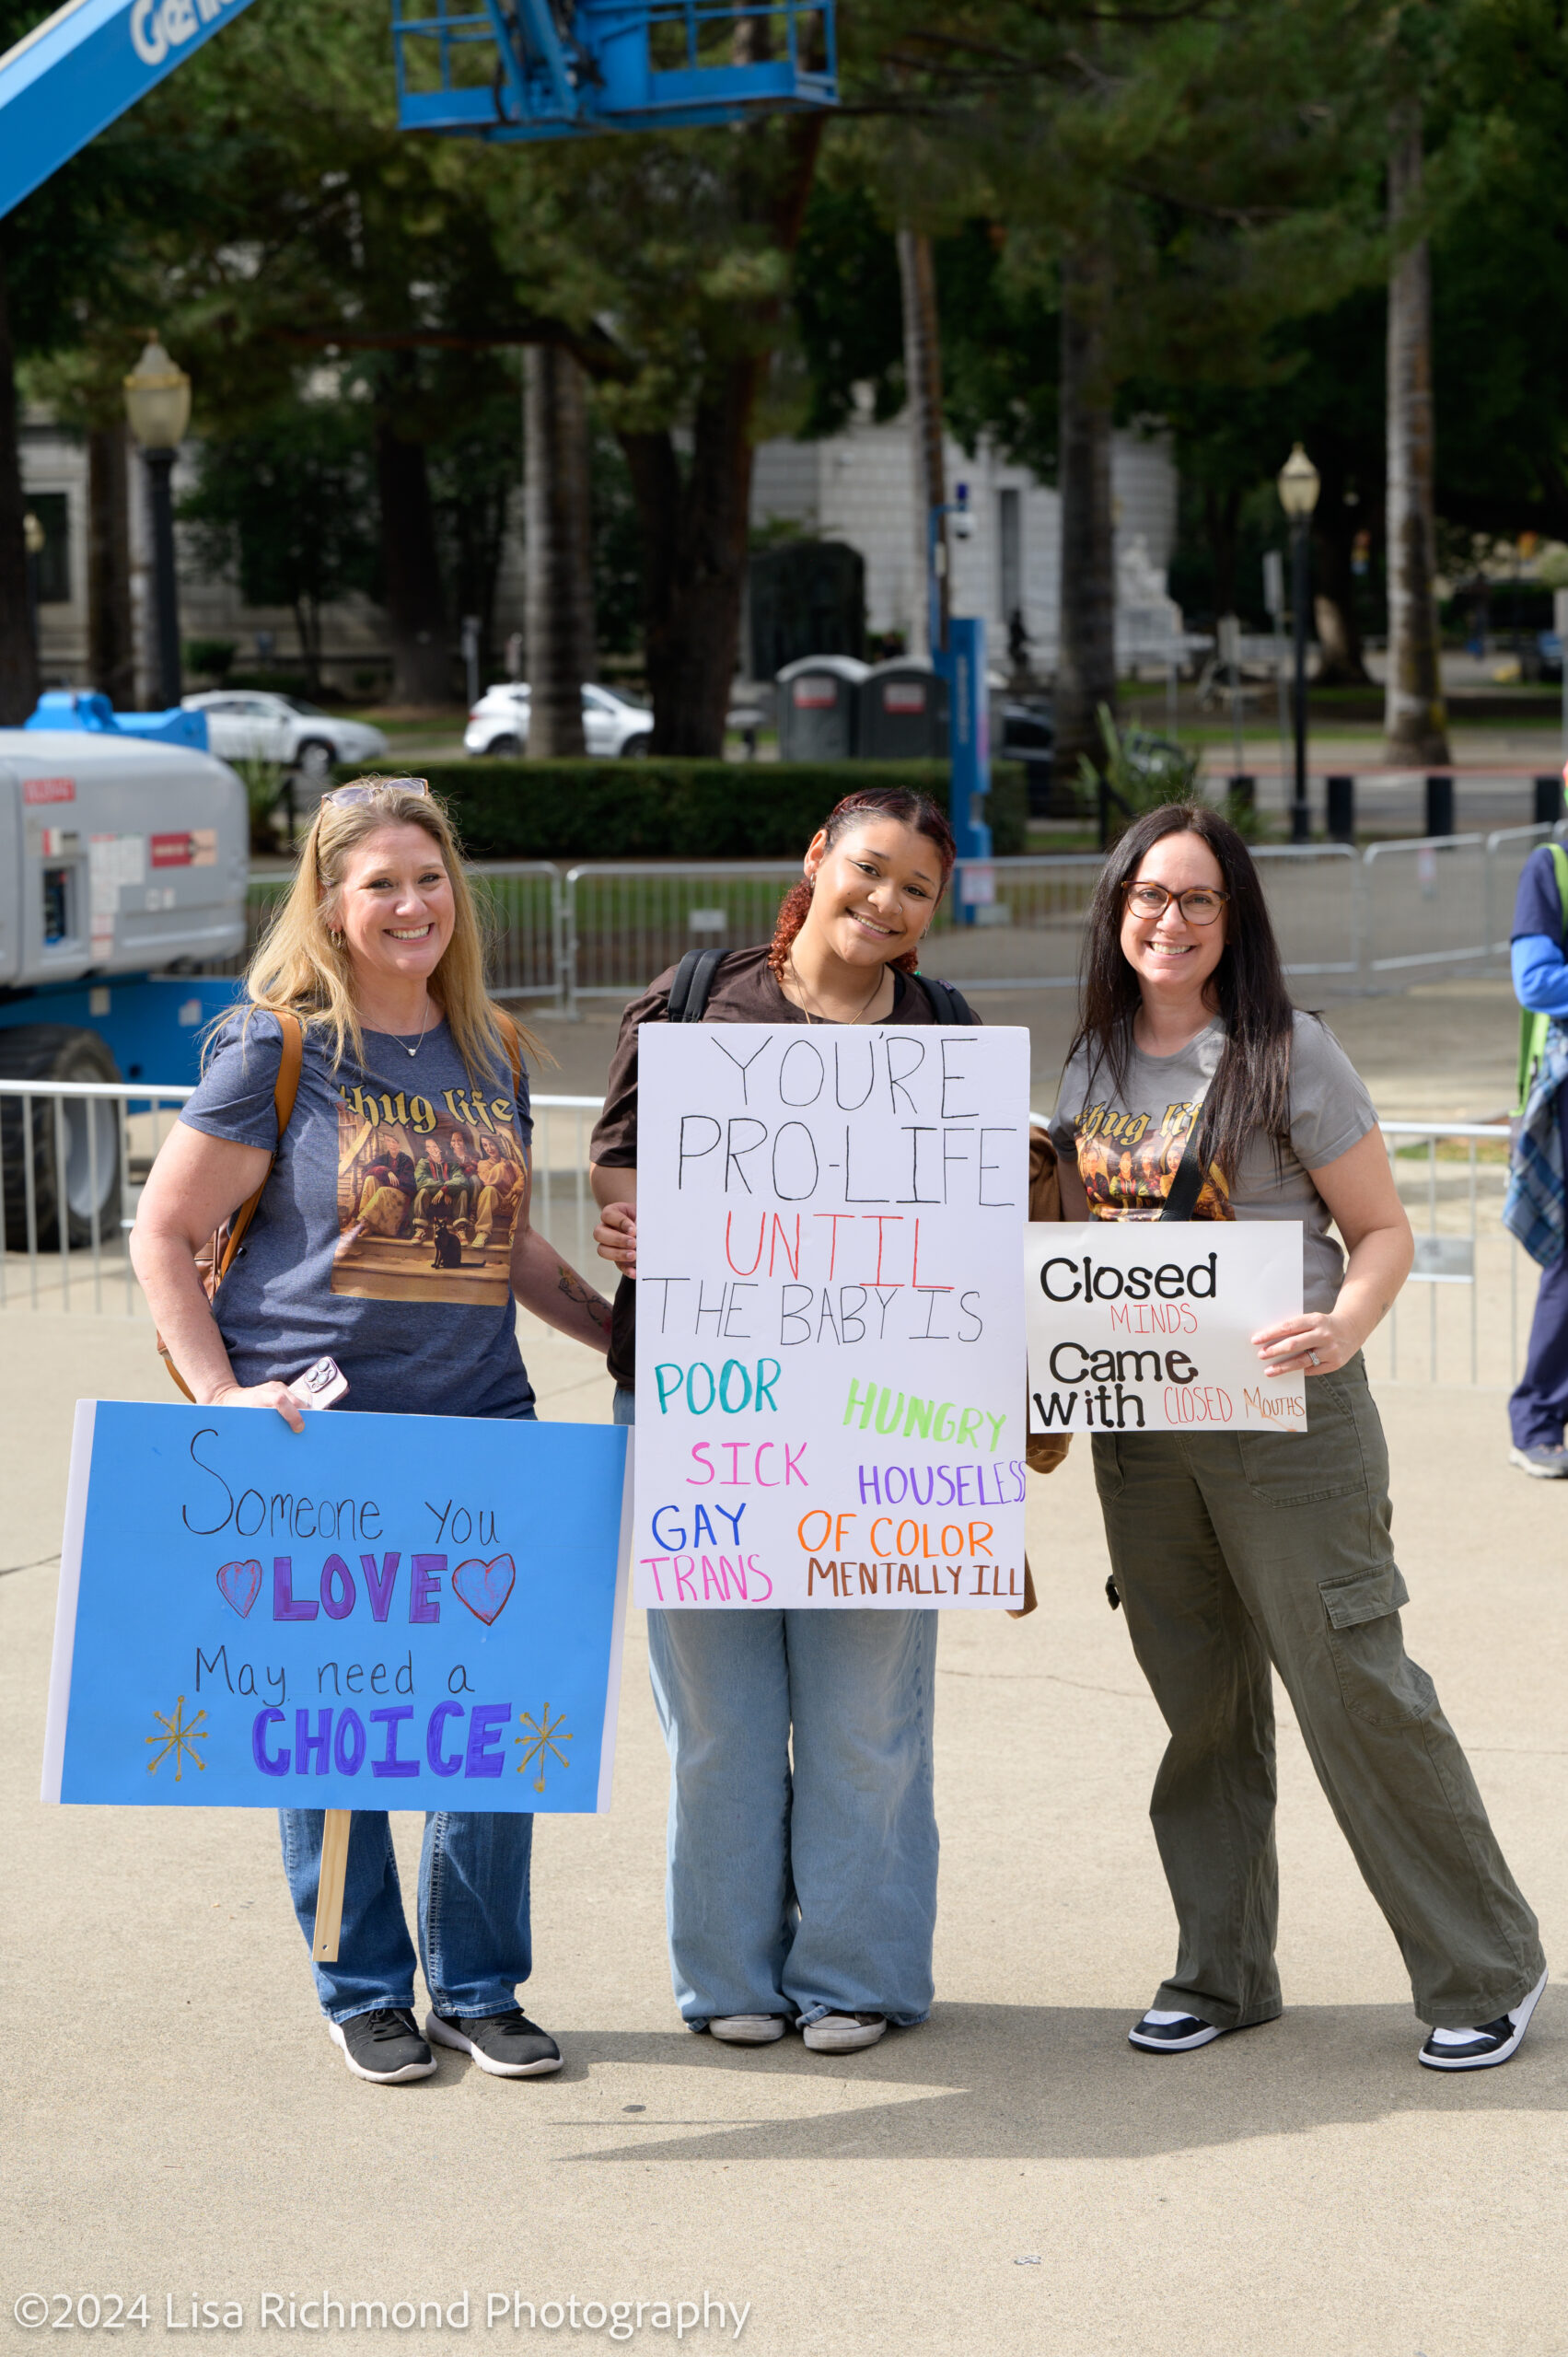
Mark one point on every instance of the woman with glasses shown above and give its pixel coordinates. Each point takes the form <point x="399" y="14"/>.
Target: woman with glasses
<point x="1194" y="1090"/>
<point x="373" y="970"/>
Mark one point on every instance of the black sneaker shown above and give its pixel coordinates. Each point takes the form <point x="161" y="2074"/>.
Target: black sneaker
<point x="384" y="2045"/>
<point x="1160" y="2033"/>
<point x="506" y="2045"/>
<point x="1480" y="2048"/>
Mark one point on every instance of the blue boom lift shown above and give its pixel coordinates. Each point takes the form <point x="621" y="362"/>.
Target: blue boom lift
<point x="123" y="865"/>
<point x="507" y="69"/>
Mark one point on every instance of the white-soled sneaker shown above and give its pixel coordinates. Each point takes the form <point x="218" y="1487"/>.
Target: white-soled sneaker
<point x="1482" y="2047"/>
<point x="747" y="2029"/>
<point x="1160" y="2033"/>
<point x="384" y="2047"/>
<point x="844" y="2032"/>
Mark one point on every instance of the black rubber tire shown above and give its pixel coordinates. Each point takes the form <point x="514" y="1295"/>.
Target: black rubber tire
<point x="313" y="765"/>
<point x="46" y="1051"/>
<point x="635" y="749"/>
<point x="504" y="749"/>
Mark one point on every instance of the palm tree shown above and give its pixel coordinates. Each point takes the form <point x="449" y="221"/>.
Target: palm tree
<point x="1414" y="723"/>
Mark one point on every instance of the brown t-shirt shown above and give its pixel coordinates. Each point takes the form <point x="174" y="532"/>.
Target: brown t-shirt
<point x="744" y="990"/>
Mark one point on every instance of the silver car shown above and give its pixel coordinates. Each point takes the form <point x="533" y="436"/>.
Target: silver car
<point x="249" y="725"/>
<point x="612" y="725"/>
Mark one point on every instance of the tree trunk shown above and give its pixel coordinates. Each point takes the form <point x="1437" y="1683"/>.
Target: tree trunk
<point x="111" y="652"/>
<point x="922" y="378"/>
<point x="558" y="557"/>
<point x="421" y="671"/>
<point x="694" y="537"/>
<point x="1222" y="516"/>
<point x="18" y="651"/>
<point x="695" y="518"/>
<point x="1414" y="722"/>
<point x="1086" y="668"/>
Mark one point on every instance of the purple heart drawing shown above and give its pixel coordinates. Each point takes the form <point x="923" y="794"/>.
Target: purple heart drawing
<point x="240" y="1585"/>
<point x="482" y="1586"/>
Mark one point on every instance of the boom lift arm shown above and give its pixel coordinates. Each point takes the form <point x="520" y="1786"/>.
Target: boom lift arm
<point x="487" y="69"/>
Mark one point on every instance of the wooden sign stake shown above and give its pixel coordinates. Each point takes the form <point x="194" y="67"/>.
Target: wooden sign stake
<point x="330" y="1884"/>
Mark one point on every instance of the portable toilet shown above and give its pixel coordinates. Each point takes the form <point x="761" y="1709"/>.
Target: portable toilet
<point x="903" y="714"/>
<point x="818" y="708"/>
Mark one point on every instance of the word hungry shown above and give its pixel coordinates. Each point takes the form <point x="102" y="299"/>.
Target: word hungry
<point x="924" y="1418"/>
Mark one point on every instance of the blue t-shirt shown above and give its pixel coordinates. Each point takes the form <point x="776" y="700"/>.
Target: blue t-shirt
<point x="384" y="1236"/>
<point x="1538" y="910"/>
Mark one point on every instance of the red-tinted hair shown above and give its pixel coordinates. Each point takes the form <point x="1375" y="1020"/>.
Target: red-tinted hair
<point x="907" y="808"/>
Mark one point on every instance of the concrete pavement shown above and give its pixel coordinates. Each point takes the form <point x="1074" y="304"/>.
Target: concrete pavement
<point x="1011" y="2179"/>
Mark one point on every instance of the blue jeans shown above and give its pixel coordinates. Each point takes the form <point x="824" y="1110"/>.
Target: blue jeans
<point x="474" y="1944"/>
<point x="474" y="1937"/>
<point x="1537" y="1411"/>
<point x="808" y="1891"/>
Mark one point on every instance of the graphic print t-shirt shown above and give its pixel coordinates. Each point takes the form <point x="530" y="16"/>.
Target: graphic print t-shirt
<point x="1129" y="1142"/>
<point x="384" y="1237"/>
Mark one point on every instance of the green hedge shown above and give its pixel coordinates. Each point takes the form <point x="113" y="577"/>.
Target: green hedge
<point x="674" y="809"/>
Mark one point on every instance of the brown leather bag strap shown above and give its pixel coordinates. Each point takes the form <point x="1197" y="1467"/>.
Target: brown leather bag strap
<point x="286" y="1088"/>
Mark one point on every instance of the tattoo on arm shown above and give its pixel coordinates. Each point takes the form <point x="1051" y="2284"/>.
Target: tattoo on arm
<point x="571" y="1285"/>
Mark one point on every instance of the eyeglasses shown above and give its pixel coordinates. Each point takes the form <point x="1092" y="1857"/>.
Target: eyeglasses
<point x="1198" y="906"/>
<point x="344" y="798"/>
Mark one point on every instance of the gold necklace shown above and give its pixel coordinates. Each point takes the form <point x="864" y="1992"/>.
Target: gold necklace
<point x="820" y="1017"/>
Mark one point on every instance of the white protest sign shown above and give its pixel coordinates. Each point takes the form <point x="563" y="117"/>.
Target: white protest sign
<point x="830" y="1361"/>
<point x="1145" y="1325"/>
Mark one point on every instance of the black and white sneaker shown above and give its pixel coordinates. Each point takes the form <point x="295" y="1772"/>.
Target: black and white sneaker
<point x="1480" y="2048"/>
<point x="1160" y="2033"/>
<point x="506" y="2045"/>
<point x="385" y="2046"/>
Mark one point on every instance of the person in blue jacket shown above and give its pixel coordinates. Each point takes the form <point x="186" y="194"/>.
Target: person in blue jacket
<point x="1537" y="1206"/>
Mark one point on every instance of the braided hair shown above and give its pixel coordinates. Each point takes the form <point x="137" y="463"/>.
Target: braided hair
<point x="900" y="802"/>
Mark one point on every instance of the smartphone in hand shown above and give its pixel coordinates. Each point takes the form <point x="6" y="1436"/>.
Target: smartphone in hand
<point x="320" y="1386"/>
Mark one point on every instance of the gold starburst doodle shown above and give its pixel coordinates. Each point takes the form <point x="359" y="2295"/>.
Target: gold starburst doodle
<point x="180" y="1736"/>
<point x="541" y="1736"/>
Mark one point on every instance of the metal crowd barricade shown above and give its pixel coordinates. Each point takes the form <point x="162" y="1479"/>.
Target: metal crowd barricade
<point x="1458" y="1256"/>
<point x="1426" y="904"/>
<point x="1315" y="904"/>
<point x="105" y="1136"/>
<point x="522" y="909"/>
<point x="626" y="921"/>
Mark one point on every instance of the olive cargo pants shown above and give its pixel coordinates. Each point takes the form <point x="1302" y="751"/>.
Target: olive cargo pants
<point x="1235" y="1551"/>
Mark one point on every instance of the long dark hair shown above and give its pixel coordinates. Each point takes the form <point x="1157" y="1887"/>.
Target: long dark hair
<point x="1250" y="1090"/>
<point x="898" y="801"/>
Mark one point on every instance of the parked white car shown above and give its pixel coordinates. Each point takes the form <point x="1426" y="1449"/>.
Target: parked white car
<point x="612" y="725"/>
<point x="245" y="724"/>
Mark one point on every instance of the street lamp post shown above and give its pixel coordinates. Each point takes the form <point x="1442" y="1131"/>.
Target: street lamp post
<point x="158" y="405"/>
<point x="1298" y="496"/>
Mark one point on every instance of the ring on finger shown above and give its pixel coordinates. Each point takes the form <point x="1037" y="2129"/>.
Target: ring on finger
<point x="1314" y="1358"/>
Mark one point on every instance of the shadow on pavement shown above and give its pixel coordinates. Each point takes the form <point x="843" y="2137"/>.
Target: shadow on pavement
<point x="1042" y="2082"/>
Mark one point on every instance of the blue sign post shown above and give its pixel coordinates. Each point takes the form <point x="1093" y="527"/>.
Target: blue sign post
<point x="958" y="655"/>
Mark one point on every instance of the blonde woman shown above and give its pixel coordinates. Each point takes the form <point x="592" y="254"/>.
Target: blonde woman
<point x="376" y="954"/>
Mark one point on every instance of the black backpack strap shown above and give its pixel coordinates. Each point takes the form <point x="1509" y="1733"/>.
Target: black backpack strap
<point x="693" y="981"/>
<point x="947" y="1004"/>
<point x="1187" y="1185"/>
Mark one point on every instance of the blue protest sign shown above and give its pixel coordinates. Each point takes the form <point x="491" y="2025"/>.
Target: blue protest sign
<point x="380" y="1612"/>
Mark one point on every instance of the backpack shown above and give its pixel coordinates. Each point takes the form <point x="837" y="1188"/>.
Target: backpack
<point x="1533" y="1027"/>
<point x="216" y="1256"/>
<point x="694" y="981"/>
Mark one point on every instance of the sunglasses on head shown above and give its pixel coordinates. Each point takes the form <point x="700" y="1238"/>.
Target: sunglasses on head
<point x="344" y="798"/>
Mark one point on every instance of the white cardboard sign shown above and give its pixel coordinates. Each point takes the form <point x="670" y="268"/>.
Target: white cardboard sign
<point x="831" y="1359"/>
<point x="1145" y="1325"/>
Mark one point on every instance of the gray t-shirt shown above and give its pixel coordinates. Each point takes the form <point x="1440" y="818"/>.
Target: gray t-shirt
<point x="384" y="1237"/>
<point x="1128" y="1142"/>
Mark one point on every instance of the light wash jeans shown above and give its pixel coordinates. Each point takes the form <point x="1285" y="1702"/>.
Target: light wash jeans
<point x="474" y="1937"/>
<point x="814" y="1891"/>
<point x="474" y="1944"/>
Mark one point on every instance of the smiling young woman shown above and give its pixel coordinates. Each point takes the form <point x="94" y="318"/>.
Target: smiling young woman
<point x="392" y="1235"/>
<point x="802" y="1832"/>
<point x="1238" y="1554"/>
